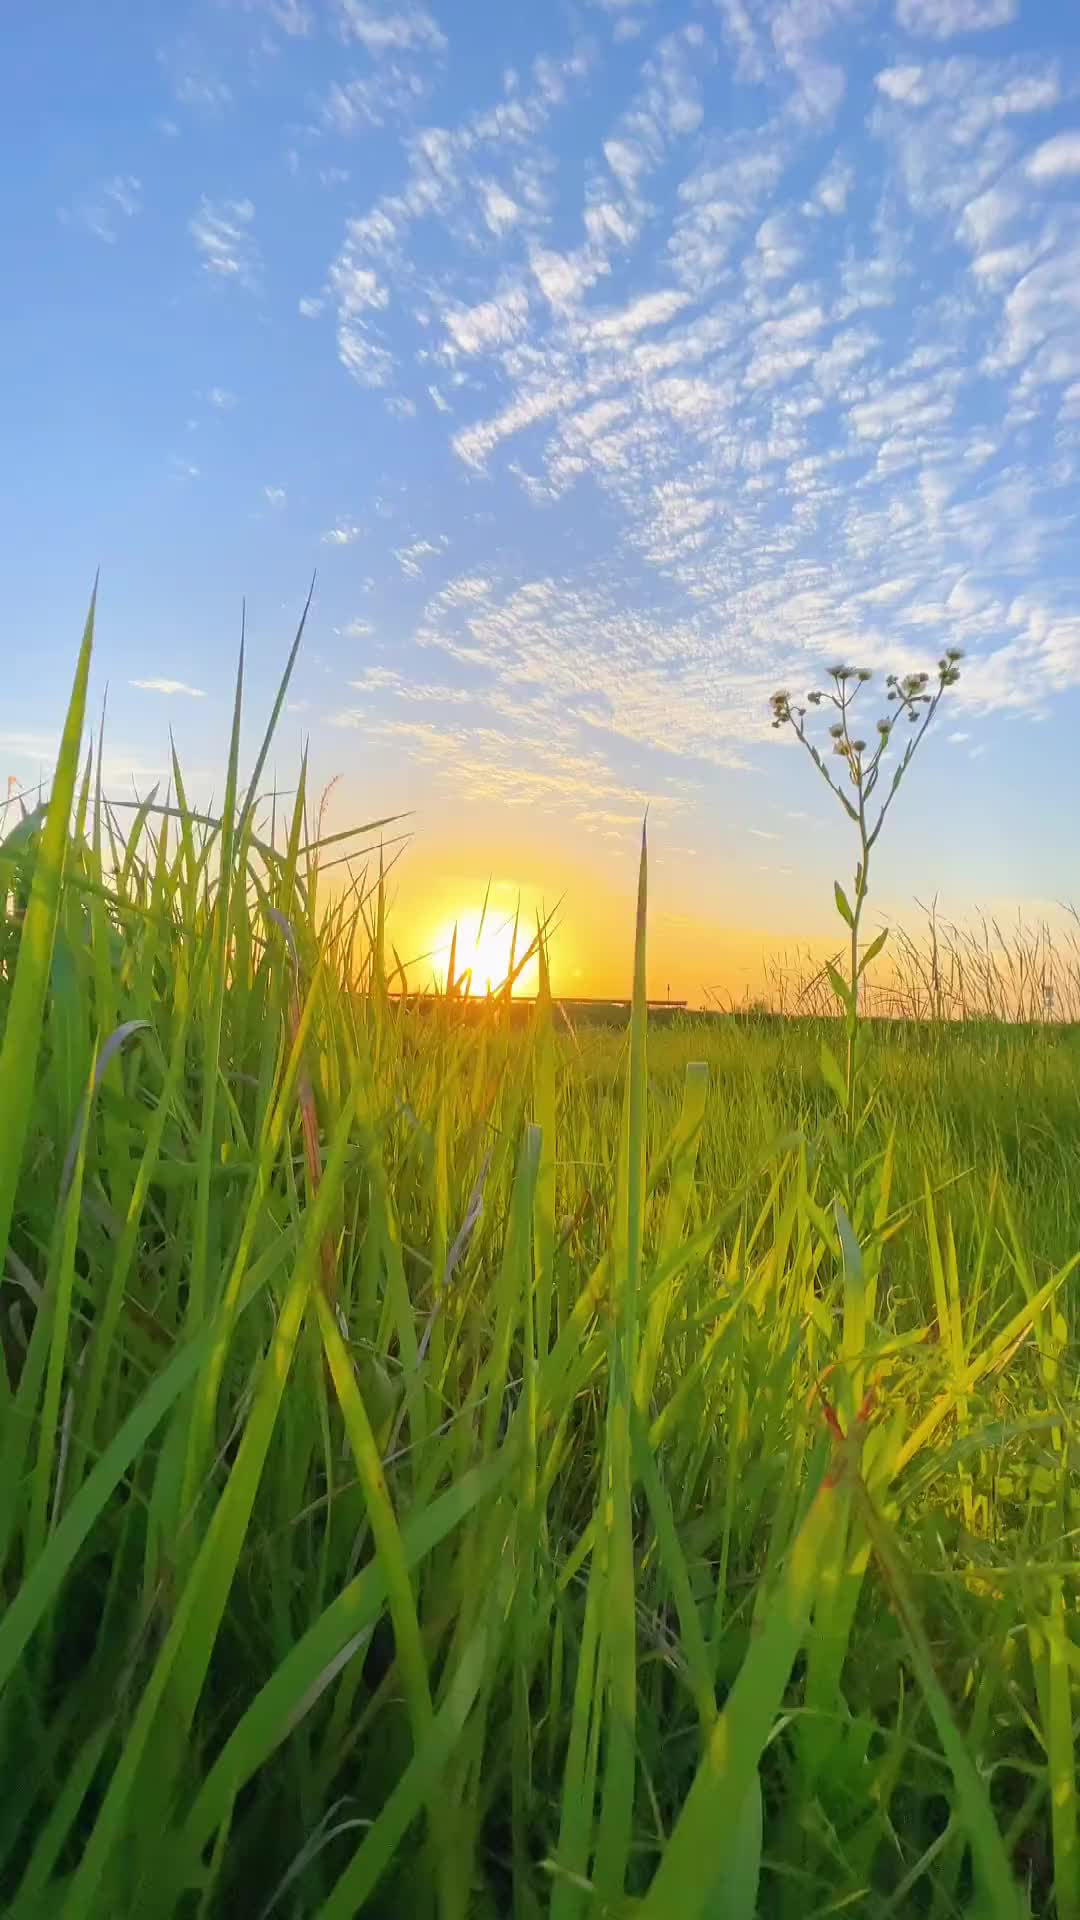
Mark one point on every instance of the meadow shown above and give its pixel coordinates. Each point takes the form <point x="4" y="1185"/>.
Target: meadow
<point x="484" y="1466"/>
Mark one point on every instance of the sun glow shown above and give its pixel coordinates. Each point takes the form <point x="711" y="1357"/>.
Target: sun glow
<point x="485" y="952"/>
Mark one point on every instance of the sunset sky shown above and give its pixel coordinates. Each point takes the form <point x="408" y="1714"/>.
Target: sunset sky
<point x="613" y="364"/>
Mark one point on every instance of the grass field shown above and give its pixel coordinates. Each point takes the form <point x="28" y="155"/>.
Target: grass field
<point x="471" y="1467"/>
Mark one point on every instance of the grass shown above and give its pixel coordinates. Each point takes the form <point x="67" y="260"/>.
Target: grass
<point x="471" y="1468"/>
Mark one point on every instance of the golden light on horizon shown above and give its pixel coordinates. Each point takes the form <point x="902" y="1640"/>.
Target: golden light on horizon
<point x="485" y="951"/>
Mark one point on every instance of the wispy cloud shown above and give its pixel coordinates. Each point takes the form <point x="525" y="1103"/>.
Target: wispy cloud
<point x="945" y="19"/>
<point x="103" y="209"/>
<point x="222" y="232"/>
<point x="411" y="559"/>
<point x="343" y="534"/>
<point x="169" y="687"/>
<point x="276" y="496"/>
<point x="222" y="399"/>
<point x="383" y="30"/>
<point x="1056" y="159"/>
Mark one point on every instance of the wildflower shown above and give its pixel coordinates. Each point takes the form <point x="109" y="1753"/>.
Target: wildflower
<point x="864" y="674"/>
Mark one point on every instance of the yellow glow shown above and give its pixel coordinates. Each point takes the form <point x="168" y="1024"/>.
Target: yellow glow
<point x="485" y="951"/>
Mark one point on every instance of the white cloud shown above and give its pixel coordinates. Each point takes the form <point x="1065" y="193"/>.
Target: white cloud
<point x="1056" y="159"/>
<point x="832" y="190"/>
<point x="501" y="213"/>
<point x="169" y="687"/>
<point x="647" y="311"/>
<point x="310" y="308"/>
<point x="222" y="399"/>
<point x="411" y="559"/>
<point x="291" y="17"/>
<point x="342" y="535"/>
<point x="276" y="496"/>
<point x="381" y="30"/>
<point x="942" y="19"/>
<point x="495" y="323"/>
<point x="205" y="92"/>
<point x="741" y="33"/>
<point x="908" y="84"/>
<point x="474" y="443"/>
<point x="221" y="230"/>
<point x="393" y="91"/>
<point x="103" y="209"/>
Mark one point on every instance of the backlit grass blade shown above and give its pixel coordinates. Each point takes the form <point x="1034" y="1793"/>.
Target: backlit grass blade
<point x="26" y="1005"/>
<point x="998" y="1888"/>
<point x="296" y="1686"/>
<point x="684" y="1153"/>
<point x="619" y="1628"/>
<point x="706" y="1836"/>
<point x="144" y="1772"/>
<point x="39" y="1589"/>
<point x="543" y="1069"/>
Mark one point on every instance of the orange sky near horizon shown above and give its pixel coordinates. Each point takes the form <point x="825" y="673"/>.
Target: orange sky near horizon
<point x="590" y="938"/>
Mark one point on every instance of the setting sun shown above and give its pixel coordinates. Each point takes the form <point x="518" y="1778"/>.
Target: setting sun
<point x="485" y="953"/>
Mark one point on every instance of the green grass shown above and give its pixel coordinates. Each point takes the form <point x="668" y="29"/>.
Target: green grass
<point x="464" y="1467"/>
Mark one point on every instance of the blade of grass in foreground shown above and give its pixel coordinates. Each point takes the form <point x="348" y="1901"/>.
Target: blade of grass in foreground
<point x="296" y="1686"/>
<point x="709" y="1830"/>
<point x="22" y="1026"/>
<point x="419" y="1783"/>
<point x="153" y="1748"/>
<point x="618" y="1645"/>
<point x="999" y="1889"/>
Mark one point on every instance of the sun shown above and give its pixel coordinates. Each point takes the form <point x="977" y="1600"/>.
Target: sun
<point x="485" y="950"/>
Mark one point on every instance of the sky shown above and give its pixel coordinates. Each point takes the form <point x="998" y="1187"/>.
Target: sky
<point x="610" y="364"/>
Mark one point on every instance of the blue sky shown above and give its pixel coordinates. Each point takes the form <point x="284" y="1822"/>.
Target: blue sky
<point x="613" y="363"/>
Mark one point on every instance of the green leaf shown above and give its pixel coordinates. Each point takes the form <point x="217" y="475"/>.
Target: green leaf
<point x="843" y="906"/>
<point x="26" y="1007"/>
<point x="873" y="950"/>
<point x="839" y="986"/>
<point x="736" y="1895"/>
<point x="833" y="1077"/>
<point x="706" y="1836"/>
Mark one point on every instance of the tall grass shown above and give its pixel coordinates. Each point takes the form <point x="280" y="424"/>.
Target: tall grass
<point x="455" y="1470"/>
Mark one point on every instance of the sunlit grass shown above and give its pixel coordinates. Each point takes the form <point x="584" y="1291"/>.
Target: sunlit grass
<point x="467" y="1467"/>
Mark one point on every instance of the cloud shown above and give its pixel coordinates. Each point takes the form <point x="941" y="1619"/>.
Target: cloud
<point x="221" y="230"/>
<point x="411" y="559"/>
<point x="944" y="19"/>
<point x="291" y="17"/>
<point x="807" y="396"/>
<point x="360" y="293"/>
<point x="343" y="534"/>
<point x="169" y="687"/>
<point x="382" y="30"/>
<point x="501" y="213"/>
<point x="103" y="209"/>
<point x="202" y="91"/>
<point x="276" y="496"/>
<point x="493" y="323"/>
<point x="1056" y="159"/>
<point x="222" y="399"/>
<point x="393" y="91"/>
